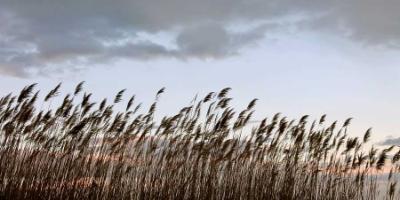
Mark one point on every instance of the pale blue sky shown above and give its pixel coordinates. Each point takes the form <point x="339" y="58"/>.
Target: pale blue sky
<point x="344" y="64"/>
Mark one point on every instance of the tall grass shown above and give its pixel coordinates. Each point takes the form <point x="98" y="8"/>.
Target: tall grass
<point x="86" y="150"/>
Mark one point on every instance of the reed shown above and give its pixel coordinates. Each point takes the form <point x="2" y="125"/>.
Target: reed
<point x="81" y="149"/>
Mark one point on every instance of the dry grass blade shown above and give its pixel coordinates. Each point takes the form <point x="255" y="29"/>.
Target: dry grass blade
<point x="207" y="150"/>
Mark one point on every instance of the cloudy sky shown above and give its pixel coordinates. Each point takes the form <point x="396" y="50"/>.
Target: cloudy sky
<point x="297" y="56"/>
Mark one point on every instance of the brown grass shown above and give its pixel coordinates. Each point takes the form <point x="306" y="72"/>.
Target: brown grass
<point x="84" y="150"/>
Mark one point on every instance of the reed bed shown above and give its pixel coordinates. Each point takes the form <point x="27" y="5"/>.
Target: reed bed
<point x="86" y="150"/>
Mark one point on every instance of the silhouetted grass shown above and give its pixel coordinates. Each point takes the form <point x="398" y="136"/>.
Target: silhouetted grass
<point x="86" y="150"/>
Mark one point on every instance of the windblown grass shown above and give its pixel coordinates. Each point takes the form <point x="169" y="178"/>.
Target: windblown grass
<point x="84" y="150"/>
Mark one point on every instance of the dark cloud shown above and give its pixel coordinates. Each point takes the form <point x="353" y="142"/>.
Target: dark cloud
<point x="37" y="35"/>
<point x="214" y="41"/>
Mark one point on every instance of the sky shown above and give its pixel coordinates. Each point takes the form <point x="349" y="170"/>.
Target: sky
<point x="297" y="57"/>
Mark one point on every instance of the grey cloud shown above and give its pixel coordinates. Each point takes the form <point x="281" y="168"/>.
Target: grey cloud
<point x="38" y="35"/>
<point x="368" y="21"/>
<point x="215" y="41"/>
<point x="391" y="141"/>
<point x="206" y="41"/>
<point x="143" y="50"/>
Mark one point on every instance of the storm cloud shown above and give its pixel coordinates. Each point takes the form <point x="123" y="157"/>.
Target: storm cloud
<point x="43" y="35"/>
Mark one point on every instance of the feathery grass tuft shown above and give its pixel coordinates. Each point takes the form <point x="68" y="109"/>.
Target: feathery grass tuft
<point x="208" y="150"/>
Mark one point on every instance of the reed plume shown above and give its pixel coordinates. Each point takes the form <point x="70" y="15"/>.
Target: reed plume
<point x="82" y="149"/>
